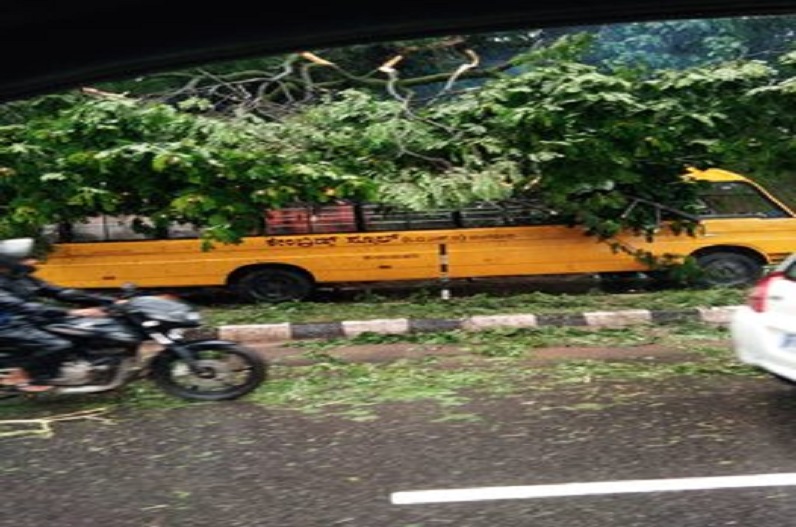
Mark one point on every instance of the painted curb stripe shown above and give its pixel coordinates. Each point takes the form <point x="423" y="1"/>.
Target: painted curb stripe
<point x="563" y="319"/>
<point x="591" y="489"/>
<point x="618" y="318"/>
<point x="268" y="332"/>
<point x="287" y="331"/>
<point x="478" y="322"/>
<point x="670" y="316"/>
<point x="424" y="325"/>
<point x="717" y="315"/>
<point x="390" y="326"/>
<point x="314" y="331"/>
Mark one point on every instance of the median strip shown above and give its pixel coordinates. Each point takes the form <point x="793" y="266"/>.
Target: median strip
<point x="351" y="328"/>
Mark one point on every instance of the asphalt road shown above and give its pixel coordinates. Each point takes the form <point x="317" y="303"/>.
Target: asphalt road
<point x="241" y="465"/>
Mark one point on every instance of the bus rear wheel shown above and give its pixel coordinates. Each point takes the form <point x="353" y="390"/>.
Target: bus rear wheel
<point x="274" y="286"/>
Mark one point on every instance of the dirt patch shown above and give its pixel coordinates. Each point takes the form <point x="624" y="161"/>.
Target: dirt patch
<point x="381" y="353"/>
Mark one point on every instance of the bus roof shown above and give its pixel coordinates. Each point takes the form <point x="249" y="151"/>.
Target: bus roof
<point x="714" y="174"/>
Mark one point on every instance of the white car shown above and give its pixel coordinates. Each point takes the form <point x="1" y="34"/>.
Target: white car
<point x="764" y="331"/>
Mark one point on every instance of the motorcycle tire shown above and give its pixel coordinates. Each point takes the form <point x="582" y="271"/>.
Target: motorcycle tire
<point x="229" y="371"/>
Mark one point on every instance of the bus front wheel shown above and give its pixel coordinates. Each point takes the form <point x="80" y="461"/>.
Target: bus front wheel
<point x="274" y="285"/>
<point x="728" y="269"/>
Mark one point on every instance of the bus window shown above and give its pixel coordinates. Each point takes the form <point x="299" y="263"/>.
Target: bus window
<point x="290" y="220"/>
<point x="382" y="218"/>
<point x="90" y="230"/>
<point x="183" y="231"/>
<point x="486" y="215"/>
<point x="508" y="214"/>
<point x="305" y="219"/>
<point x="333" y="218"/>
<point x="121" y="228"/>
<point x="737" y="199"/>
<point x="103" y="229"/>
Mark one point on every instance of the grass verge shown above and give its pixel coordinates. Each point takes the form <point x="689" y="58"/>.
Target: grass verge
<point x="426" y="305"/>
<point x="520" y="342"/>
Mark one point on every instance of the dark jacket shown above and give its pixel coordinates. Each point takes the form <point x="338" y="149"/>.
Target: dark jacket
<point x="20" y="292"/>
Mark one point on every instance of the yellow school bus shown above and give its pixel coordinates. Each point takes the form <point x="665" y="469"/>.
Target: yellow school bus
<point x="743" y="229"/>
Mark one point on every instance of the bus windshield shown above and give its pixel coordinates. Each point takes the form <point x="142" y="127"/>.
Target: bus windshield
<point x="737" y="199"/>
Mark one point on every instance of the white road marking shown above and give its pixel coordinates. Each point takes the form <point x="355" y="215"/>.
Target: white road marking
<point x="587" y="489"/>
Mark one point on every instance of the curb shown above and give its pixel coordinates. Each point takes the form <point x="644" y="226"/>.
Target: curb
<point x="351" y="328"/>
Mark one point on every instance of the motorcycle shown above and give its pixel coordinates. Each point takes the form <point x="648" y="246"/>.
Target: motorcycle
<point x="143" y="337"/>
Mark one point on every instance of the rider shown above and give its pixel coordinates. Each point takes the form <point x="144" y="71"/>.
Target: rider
<point x="21" y="316"/>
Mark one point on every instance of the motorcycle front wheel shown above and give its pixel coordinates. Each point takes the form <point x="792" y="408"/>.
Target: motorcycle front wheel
<point x="225" y="371"/>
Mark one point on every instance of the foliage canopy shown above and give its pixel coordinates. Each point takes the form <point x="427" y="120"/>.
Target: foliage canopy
<point x="586" y="139"/>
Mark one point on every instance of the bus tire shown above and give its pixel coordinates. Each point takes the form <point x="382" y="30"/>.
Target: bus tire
<point x="274" y="285"/>
<point x="728" y="269"/>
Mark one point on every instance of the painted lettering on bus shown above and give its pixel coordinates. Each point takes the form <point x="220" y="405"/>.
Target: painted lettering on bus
<point x="380" y="239"/>
<point x="371" y="239"/>
<point x="332" y="241"/>
<point x="477" y="237"/>
<point x="305" y="241"/>
<point x="389" y="256"/>
<point x="457" y="238"/>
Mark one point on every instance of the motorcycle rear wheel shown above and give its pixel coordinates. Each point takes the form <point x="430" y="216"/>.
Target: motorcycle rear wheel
<point x="228" y="371"/>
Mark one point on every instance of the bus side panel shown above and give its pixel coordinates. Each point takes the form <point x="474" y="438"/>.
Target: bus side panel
<point x="562" y="250"/>
<point x="146" y="263"/>
<point x="181" y="263"/>
<point x="388" y="256"/>
<point x="774" y="238"/>
<point x="393" y="256"/>
<point x="535" y="250"/>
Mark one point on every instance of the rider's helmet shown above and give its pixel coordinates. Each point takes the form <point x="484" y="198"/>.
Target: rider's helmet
<point x="14" y="251"/>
